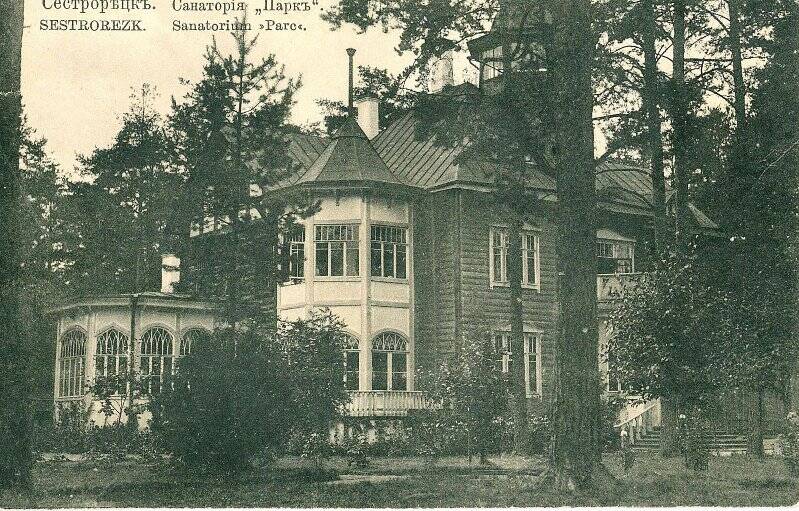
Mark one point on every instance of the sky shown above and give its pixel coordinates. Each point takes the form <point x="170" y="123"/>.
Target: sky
<point x="76" y="85"/>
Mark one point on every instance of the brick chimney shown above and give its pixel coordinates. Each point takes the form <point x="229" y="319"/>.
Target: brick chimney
<point x="170" y="272"/>
<point x="368" y="108"/>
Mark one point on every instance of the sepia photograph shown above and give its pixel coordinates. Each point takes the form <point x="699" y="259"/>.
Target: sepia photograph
<point x="399" y="253"/>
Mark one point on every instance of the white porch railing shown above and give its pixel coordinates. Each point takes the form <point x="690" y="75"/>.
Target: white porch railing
<point x="384" y="403"/>
<point x="640" y="420"/>
<point x="611" y="286"/>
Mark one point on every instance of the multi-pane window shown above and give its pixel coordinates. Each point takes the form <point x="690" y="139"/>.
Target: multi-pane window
<point x="531" y="269"/>
<point x="155" y="360"/>
<point x="615" y="256"/>
<point x="532" y="359"/>
<point x="492" y="63"/>
<point x="337" y="253"/>
<point x="191" y="338"/>
<point x="71" y="365"/>
<point x="389" y="251"/>
<point x="297" y="256"/>
<point x="389" y="362"/>
<point x="352" y="363"/>
<point x="111" y="356"/>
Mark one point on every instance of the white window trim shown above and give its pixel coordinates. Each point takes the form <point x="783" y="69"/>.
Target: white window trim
<point x="336" y="278"/>
<point x="507" y="357"/>
<point x="536" y="285"/>
<point x="383" y="244"/>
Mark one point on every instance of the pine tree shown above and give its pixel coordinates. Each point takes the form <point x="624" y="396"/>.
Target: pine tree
<point x="231" y="132"/>
<point x="16" y="464"/>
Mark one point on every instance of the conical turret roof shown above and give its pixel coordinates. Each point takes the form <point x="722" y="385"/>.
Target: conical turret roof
<point x="349" y="157"/>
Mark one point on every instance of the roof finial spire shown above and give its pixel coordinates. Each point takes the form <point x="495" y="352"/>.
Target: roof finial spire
<point x="350" y="107"/>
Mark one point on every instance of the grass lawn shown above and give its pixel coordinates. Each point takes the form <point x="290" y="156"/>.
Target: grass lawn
<point x="405" y="482"/>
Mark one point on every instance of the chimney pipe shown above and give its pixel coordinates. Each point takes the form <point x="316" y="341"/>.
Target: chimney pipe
<point x="170" y="272"/>
<point x="350" y="102"/>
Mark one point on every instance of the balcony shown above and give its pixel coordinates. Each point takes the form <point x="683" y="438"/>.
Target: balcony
<point x="611" y="286"/>
<point x="384" y="403"/>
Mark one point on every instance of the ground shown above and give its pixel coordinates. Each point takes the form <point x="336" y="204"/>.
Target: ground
<point x="404" y="482"/>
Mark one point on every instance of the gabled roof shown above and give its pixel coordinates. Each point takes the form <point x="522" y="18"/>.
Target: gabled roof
<point x="349" y="157"/>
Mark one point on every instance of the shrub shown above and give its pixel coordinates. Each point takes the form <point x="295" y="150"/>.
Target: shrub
<point x="228" y="403"/>
<point x="315" y="373"/>
<point x="789" y="444"/>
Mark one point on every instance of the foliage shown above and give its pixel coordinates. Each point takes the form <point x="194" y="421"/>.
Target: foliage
<point x="315" y="372"/>
<point x="126" y="193"/>
<point x="789" y="444"/>
<point x="227" y="403"/>
<point x="244" y="394"/>
<point x="666" y="330"/>
<point x="230" y="131"/>
<point x="470" y="396"/>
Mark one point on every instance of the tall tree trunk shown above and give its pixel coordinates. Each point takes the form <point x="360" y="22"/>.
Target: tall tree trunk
<point x="576" y="414"/>
<point x="754" y="437"/>
<point x="519" y="384"/>
<point x="515" y="276"/>
<point x="651" y="96"/>
<point x="679" y="121"/>
<point x="654" y="135"/>
<point x="668" y="428"/>
<point x="15" y="464"/>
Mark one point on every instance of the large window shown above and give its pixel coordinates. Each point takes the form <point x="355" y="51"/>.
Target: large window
<point x="71" y="364"/>
<point x="532" y="359"/>
<point x="191" y="338"/>
<point x="389" y="362"/>
<point x="337" y="253"/>
<point x="297" y="256"/>
<point x="352" y="363"/>
<point x="389" y="251"/>
<point x="615" y="256"/>
<point x="111" y="356"/>
<point x="531" y="269"/>
<point x="155" y="361"/>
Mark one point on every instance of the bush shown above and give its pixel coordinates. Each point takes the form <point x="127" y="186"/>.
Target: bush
<point x="228" y="403"/>
<point x="789" y="444"/>
<point x="242" y="395"/>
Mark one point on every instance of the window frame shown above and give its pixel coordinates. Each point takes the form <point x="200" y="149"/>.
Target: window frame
<point x="403" y="229"/>
<point x="352" y="345"/>
<point x="295" y="264"/>
<point x="390" y="352"/>
<point x="615" y="244"/>
<point x="506" y="358"/>
<point x="115" y="354"/>
<point x="356" y="242"/>
<point x="162" y="376"/>
<point x="72" y="364"/>
<point x="503" y="257"/>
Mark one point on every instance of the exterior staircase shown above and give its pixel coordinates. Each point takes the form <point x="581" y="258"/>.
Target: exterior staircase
<point x="719" y="443"/>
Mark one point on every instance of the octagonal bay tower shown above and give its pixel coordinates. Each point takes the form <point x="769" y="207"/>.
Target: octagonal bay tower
<point x="355" y="257"/>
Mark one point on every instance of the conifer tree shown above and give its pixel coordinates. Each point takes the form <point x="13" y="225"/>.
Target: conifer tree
<point x="231" y="130"/>
<point x="16" y="462"/>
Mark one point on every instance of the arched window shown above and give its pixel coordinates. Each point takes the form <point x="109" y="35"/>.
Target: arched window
<point x="71" y="368"/>
<point x="389" y="362"/>
<point x="352" y="363"/>
<point x="111" y="356"/>
<point x="190" y="338"/>
<point x="155" y="361"/>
